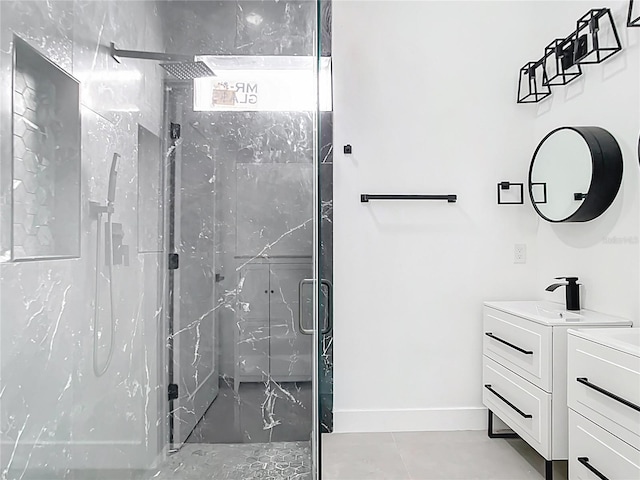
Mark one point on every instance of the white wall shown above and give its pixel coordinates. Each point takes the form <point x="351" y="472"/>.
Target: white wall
<point x="606" y="95"/>
<point x="425" y="92"/>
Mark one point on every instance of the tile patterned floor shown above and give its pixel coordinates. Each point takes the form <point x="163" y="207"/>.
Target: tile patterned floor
<point x="264" y="461"/>
<point x="467" y="455"/>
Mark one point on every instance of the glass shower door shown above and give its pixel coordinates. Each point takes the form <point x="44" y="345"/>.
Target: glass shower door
<point x="242" y="195"/>
<point x="156" y="223"/>
<point x="192" y="336"/>
<point x="241" y="237"/>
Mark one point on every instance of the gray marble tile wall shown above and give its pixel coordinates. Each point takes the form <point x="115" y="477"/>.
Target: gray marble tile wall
<point x="326" y="228"/>
<point x="326" y="264"/>
<point x="256" y="153"/>
<point x="57" y="416"/>
<point x="240" y="27"/>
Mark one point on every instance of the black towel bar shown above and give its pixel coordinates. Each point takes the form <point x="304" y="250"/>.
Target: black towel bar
<point x="365" y="197"/>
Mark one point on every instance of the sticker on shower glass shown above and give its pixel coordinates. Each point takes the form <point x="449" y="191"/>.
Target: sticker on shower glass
<point x="225" y="94"/>
<point x="273" y="90"/>
<point x="262" y="84"/>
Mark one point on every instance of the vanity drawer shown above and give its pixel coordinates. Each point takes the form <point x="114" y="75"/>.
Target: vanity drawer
<point x="520" y="345"/>
<point x="604" y="386"/>
<point x="520" y="404"/>
<point x="592" y="449"/>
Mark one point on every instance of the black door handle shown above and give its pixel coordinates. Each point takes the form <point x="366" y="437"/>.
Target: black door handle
<point x="509" y="344"/>
<point x="525" y="415"/>
<point x="586" y="382"/>
<point x="585" y="461"/>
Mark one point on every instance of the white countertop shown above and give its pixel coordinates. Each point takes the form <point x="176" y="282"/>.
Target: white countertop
<point x="552" y="313"/>
<point x="624" y="339"/>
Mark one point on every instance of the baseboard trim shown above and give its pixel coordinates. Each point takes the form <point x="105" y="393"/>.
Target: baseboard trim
<point x="410" y="420"/>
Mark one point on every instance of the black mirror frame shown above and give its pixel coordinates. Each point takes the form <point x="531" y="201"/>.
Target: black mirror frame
<point x="606" y="173"/>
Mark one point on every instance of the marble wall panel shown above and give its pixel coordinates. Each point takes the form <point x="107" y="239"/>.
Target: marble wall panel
<point x="240" y="27"/>
<point x="57" y="417"/>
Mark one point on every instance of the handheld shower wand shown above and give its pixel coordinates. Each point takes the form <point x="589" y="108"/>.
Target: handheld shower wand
<point x="108" y="227"/>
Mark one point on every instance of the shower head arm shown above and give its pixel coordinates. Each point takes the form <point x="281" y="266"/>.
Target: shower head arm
<point x="116" y="54"/>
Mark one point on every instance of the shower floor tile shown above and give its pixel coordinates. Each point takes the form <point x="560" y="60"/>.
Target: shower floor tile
<point x="265" y="461"/>
<point x="247" y="417"/>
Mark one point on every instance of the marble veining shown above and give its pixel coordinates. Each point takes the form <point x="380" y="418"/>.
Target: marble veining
<point x="239" y="186"/>
<point x="56" y="417"/>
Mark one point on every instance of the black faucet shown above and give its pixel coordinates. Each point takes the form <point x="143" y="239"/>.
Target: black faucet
<point x="572" y="293"/>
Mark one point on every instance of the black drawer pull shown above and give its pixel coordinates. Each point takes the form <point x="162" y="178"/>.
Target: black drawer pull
<point x="585" y="381"/>
<point x="585" y="461"/>
<point x="525" y="415"/>
<point x="515" y="347"/>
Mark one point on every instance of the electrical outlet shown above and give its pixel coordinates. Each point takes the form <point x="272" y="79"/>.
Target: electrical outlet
<point x="519" y="253"/>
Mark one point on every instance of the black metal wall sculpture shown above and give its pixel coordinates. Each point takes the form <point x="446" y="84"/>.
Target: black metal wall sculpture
<point x="596" y="37"/>
<point x="559" y="64"/>
<point x="633" y="17"/>
<point x="533" y="85"/>
<point x="594" y="40"/>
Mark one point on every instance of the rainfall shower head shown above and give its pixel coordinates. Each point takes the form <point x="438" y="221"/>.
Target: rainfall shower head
<point x="181" y="66"/>
<point x="188" y="70"/>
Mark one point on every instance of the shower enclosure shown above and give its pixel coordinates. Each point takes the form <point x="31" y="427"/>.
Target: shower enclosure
<point x="165" y="239"/>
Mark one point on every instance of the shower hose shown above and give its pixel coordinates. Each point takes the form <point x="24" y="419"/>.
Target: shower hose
<point x="97" y="370"/>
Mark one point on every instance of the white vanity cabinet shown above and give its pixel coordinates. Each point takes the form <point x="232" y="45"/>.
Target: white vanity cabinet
<point x="525" y="369"/>
<point x="269" y="344"/>
<point x="603" y="383"/>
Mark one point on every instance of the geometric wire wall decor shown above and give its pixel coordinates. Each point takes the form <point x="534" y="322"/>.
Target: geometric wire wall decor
<point x="533" y="84"/>
<point x="596" y="37"/>
<point x="559" y="64"/>
<point x="633" y="17"/>
<point x="594" y="40"/>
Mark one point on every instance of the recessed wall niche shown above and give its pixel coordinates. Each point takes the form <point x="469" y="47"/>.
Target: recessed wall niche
<point x="46" y="158"/>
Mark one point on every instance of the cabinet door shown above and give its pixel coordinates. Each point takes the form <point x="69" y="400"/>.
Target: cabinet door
<point x="592" y="448"/>
<point x="520" y="404"/>
<point x="290" y="350"/>
<point x="253" y="321"/>
<point x="523" y="346"/>
<point x="594" y="369"/>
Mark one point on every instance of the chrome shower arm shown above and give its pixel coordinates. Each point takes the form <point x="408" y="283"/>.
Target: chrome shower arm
<point x="142" y="55"/>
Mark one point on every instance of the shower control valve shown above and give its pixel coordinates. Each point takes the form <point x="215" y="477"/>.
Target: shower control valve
<point x="121" y="255"/>
<point x="120" y="250"/>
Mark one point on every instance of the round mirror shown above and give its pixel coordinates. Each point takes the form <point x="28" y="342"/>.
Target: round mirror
<point x="575" y="174"/>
